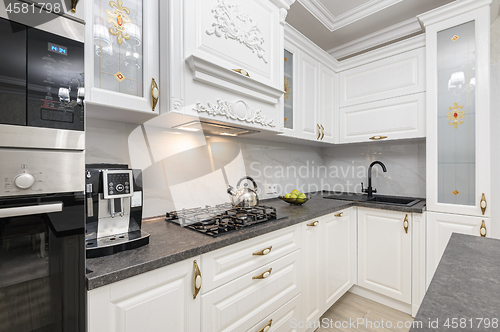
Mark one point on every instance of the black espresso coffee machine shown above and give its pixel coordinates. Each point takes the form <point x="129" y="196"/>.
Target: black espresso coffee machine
<point x="114" y="210"/>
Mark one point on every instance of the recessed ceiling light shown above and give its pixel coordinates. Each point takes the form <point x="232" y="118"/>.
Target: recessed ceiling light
<point x="189" y="129"/>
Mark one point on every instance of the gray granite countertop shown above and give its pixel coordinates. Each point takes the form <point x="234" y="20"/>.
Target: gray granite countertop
<point x="170" y="243"/>
<point x="466" y="286"/>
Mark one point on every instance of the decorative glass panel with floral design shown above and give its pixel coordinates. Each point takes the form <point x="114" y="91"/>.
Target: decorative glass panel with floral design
<point x="456" y="115"/>
<point x="118" y="46"/>
<point x="288" y="90"/>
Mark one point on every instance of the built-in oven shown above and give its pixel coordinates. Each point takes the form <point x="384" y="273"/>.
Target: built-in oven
<point x="42" y="240"/>
<point x="41" y="88"/>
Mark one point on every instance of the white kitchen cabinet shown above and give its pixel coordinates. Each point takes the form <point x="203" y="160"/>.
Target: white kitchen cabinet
<point x="159" y="300"/>
<point x="315" y="94"/>
<point x="122" y="60"/>
<point x="312" y="257"/>
<point x="246" y="301"/>
<point x="339" y="255"/>
<point x="458" y="108"/>
<point x="393" y="76"/>
<point x="226" y="59"/>
<point x="395" y="118"/>
<point x="440" y="226"/>
<point x="385" y="252"/>
<point x="285" y="319"/>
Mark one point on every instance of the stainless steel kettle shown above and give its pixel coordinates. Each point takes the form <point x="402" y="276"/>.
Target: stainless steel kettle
<point x="244" y="197"/>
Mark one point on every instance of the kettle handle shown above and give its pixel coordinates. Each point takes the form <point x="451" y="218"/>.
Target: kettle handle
<point x="246" y="177"/>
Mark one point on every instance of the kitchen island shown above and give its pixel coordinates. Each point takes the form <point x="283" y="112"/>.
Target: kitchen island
<point x="169" y="243"/>
<point x="463" y="294"/>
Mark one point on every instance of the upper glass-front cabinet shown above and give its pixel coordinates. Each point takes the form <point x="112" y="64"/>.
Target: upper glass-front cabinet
<point x="458" y="139"/>
<point x="289" y="91"/>
<point x="124" y="59"/>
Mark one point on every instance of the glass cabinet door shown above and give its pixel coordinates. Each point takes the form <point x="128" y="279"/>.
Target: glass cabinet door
<point x="456" y="115"/>
<point x="118" y="47"/>
<point x="289" y="91"/>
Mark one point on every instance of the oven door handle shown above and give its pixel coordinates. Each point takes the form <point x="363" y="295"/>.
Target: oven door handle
<point x="27" y="210"/>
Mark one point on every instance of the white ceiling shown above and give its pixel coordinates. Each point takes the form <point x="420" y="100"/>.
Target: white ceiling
<point x="332" y="24"/>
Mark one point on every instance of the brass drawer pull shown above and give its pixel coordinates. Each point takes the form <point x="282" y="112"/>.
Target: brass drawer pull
<point x="339" y="214"/>
<point x="482" y="230"/>
<point x="242" y="72"/>
<point x="322" y="132"/>
<point x="378" y="137"/>
<point x="405" y="224"/>
<point x="155" y="93"/>
<point x="267" y="327"/>
<point x="315" y="223"/>
<point x="483" y="204"/>
<point x="263" y="252"/>
<point x="73" y="5"/>
<point x="197" y="279"/>
<point x="319" y="132"/>
<point x="263" y="275"/>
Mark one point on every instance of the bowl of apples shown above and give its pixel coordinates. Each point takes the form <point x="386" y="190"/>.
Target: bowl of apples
<point x="295" y="197"/>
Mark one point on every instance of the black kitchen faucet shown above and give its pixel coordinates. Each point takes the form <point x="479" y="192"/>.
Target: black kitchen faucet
<point x="370" y="190"/>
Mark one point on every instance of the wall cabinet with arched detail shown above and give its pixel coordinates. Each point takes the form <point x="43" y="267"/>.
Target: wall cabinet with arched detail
<point x="121" y="59"/>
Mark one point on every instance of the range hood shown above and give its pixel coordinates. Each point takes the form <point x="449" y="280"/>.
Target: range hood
<point x="214" y="128"/>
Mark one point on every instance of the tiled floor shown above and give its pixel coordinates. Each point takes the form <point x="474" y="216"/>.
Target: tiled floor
<point x="355" y="313"/>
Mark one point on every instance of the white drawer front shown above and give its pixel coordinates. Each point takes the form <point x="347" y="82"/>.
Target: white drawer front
<point x="242" y="303"/>
<point x="286" y="319"/>
<point x="395" y="76"/>
<point x="396" y="118"/>
<point x="226" y="264"/>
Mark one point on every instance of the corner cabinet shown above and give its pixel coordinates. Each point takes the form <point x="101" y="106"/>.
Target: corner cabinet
<point x="121" y="60"/>
<point x="222" y="60"/>
<point x="458" y="108"/>
<point x="159" y="300"/>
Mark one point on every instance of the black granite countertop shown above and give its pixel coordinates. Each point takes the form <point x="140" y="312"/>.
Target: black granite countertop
<point x="466" y="286"/>
<point x="169" y="243"/>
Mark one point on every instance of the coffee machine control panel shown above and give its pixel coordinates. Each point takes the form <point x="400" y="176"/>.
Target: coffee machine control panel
<point x="117" y="183"/>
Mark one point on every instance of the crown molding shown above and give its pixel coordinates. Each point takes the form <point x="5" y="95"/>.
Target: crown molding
<point x="383" y="52"/>
<point x="451" y="10"/>
<point x="283" y="3"/>
<point x="318" y="10"/>
<point x="380" y="37"/>
<point x="294" y="37"/>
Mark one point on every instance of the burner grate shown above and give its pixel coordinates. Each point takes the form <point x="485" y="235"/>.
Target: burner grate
<point x="221" y="219"/>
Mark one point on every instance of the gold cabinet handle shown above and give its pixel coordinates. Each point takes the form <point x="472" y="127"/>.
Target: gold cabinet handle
<point x="267" y="327"/>
<point x="313" y="224"/>
<point x="263" y="252"/>
<point x="242" y="72"/>
<point x="73" y="5"/>
<point x="319" y="132"/>
<point x="483" y="204"/>
<point x="322" y="132"/>
<point x="339" y="214"/>
<point x="197" y="280"/>
<point x="155" y="93"/>
<point x="405" y="224"/>
<point x="378" y="137"/>
<point x="482" y="230"/>
<point x="263" y="275"/>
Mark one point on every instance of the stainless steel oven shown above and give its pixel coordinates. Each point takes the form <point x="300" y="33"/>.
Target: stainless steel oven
<point x="42" y="241"/>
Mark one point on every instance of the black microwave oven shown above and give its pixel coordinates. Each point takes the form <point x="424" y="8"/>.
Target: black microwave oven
<point x="41" y="78"/>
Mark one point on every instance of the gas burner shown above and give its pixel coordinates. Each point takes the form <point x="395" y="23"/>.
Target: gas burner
<point x="222" y="218"/>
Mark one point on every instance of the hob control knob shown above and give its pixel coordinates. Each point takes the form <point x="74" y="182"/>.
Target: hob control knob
<point x="24" y="181"/>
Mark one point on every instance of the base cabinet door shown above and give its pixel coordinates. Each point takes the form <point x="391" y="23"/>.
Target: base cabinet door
<point x="384" y="252"/>
<point x="312" y="254"/>
<point x="440" y="226"/>
<point x="339" y="267"/>
<point x="156" y="301"/>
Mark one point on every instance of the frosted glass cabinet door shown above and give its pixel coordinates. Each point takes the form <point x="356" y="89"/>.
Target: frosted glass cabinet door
<point x="458" y="140"/>
<point x="124" y="58"/>
<point x="289" y="90"/>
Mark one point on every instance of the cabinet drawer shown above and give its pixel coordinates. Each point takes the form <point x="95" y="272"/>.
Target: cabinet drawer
<point x="391" y="77"/>
<point x="226" y="264"/>
<point x="396" y="118"/>
<point x="285" y="319"/>
<point x="242" y="303"/>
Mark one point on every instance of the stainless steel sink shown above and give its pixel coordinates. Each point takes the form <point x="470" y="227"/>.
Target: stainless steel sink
<point x="380" y="199"/>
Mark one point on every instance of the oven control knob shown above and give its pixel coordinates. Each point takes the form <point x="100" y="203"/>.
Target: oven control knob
<point x="24" y="181"/>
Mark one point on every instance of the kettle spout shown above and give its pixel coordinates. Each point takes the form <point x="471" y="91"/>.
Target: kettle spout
<point x="230" y="190"/>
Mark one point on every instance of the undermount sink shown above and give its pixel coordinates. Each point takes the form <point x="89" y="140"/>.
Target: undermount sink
<point x="393" y="200"/>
